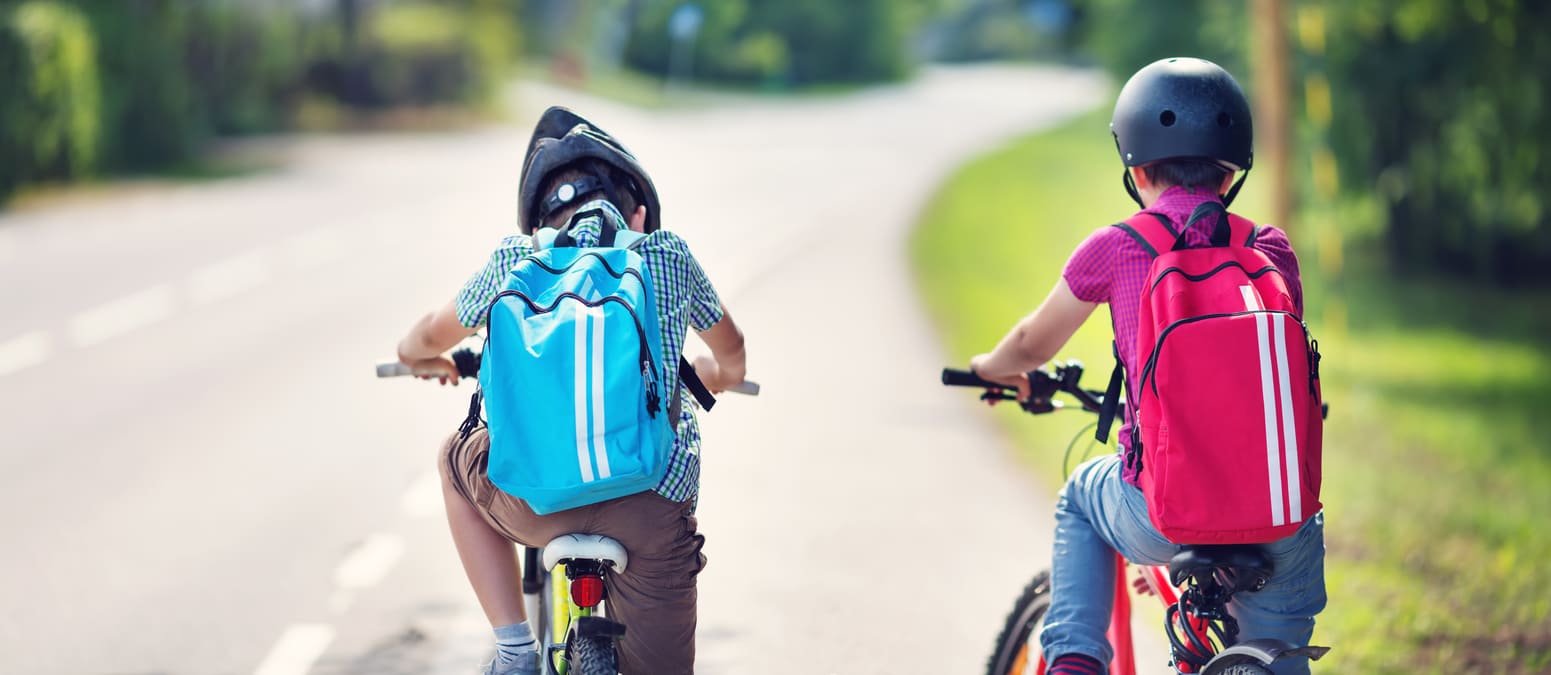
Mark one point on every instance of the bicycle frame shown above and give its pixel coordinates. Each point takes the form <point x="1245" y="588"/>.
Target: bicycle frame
<point x="563" y="611"/>
<point x="1043" y="387"/>
<point x="1119" y="633"/>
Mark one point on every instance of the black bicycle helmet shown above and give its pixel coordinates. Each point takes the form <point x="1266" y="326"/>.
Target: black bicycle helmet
<point x="1183" y="108"/>
<point x="564" y="139"/>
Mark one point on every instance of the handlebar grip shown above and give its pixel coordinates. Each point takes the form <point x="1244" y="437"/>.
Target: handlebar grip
<point x="467" y="361"/>
<point x="393" y="369"/>
<point x="954" y="377"/>
<point x="746" y="388"/>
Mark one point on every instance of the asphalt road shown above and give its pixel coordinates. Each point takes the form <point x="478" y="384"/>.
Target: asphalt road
<point x="199" y="475"/>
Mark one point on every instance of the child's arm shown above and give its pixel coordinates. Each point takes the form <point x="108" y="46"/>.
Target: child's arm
<point x="431" y="336"/>
<point x="727" y="366"/>
<point x="1035" y="339"/>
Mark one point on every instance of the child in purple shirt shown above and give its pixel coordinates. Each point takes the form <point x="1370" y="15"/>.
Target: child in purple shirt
<point x="1183" y="129"/>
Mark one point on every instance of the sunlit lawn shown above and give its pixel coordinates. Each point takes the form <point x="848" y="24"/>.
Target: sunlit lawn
<point x="1438" y="448"/>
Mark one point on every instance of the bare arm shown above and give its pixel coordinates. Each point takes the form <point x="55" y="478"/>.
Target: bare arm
<point x="433" y="335"/>
<point x="1036" y="338"/>
<point x="727" y="366"/>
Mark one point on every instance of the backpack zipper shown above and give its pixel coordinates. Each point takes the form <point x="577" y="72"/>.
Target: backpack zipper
<point x="590" y="254"/>
<point x="1158" y="346"/>
<point x="653" y="397"/>
<point x="1194" y="277"/>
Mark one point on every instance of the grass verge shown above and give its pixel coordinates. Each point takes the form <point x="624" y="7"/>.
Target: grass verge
<point x="1437" y="466"/>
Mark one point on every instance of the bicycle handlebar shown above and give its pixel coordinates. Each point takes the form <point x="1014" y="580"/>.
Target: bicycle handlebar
<point x="467" y="361"/>
<point x="1043" y="386"/>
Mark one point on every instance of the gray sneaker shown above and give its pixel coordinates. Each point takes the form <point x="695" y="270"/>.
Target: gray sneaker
<point x="529" y="664"/>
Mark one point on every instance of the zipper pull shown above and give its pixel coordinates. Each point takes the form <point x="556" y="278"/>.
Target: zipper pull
<point x="653" y="400"/>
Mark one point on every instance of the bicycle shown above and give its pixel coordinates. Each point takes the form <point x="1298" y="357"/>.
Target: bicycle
<point x="567" y="602"/>
<point x="1195" y="587"/>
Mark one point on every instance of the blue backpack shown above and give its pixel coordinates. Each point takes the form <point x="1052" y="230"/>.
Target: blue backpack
<point x="580" y="405"/>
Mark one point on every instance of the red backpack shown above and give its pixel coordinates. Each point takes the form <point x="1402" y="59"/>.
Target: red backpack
<point x="1229" y="411"/>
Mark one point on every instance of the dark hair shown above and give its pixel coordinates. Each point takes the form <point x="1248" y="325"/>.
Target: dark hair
<point x="1186" y="173"/>
<point x="624" y="196"/>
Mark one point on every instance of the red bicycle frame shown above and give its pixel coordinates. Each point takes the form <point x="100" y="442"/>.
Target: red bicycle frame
<point x="1157" y="580"/>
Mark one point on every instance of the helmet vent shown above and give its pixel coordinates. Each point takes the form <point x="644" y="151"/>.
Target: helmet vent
<point x="1224" y="120"/>
<point x="1167" y="118"/>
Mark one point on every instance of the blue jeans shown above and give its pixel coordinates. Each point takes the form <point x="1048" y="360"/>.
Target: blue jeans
<point x="1099" y="513"/>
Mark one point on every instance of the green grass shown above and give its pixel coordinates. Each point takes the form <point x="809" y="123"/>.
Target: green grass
<point x="1437" y="480"/>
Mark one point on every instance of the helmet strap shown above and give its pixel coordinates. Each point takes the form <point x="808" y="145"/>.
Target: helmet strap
<point x="1130" y="183"/>
<point x="1234" y="191"/>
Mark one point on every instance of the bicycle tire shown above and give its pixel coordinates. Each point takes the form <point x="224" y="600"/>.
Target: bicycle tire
<point x="1013" y="650"/>
<point x="593" y="656"/>
<point x="1245" y="669"/>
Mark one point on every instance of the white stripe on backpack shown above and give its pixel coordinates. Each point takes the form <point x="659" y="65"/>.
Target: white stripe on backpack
<point x="1268" y="401"/>
<point x="1289" y="435"/>
<point x="600" y="450"/>
<point x="583" y="454"/>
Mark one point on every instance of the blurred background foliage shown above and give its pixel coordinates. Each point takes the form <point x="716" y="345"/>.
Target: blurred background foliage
<point x="1420" y="167"/>
<point x="1421" y="123"/>
<point x="111" y="86"/>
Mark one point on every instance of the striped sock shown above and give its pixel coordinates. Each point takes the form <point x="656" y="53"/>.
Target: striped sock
<point x="1075" y="664"/>
<point x="512" y="642"/>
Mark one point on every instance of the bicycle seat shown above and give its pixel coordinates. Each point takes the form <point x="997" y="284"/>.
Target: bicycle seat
<point x="585" y="546"/>
<point x="1247" y="563"/>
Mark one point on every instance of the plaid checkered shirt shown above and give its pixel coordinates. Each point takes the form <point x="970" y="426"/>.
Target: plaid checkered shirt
<point x="685" y="299"/>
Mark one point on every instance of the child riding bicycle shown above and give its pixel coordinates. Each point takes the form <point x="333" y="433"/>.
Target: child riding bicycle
<point x="579" y="182"/>
<point x="1183" y="129"/>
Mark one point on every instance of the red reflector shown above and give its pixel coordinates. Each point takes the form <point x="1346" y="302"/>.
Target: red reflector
<point x="587" y="591"/>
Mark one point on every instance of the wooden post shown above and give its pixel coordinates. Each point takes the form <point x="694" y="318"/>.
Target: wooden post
<point x="1273" y="108"/>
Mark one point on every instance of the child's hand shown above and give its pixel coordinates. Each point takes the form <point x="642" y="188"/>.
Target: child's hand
<point x="977" y="365"/>
<point x="438" y="368"/>
<point x="710" y="373"/>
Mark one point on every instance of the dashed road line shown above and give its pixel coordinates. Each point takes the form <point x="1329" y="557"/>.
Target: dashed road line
<point x="122" y="316"/>
<point x="369" y="562"/>
<point x="230" y="277"/>
<point x="24" y="351"/>
<point x="296" y="650"/>
<point x="212" y="283"/>
<point x="316" y="247"/>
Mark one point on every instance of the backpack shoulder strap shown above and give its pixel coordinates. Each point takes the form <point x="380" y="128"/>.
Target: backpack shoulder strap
<point x="632" y="240"/>
<point x="1227" y="229"/>
<point x="1243" y="229"/>
<point x="628" y="239"/>
<point x="1152" y="231"/>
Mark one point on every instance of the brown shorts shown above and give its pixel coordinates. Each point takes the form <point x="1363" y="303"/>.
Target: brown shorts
<point x="655" y="597"/>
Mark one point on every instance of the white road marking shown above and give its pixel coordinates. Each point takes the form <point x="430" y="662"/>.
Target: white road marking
<point x="296" y="650"/>
<point x="424" y="498"/>
<point x="316" y="247"/>
<point x="340" y="601"/>
<point x="121" y="316"/>
<point x="24" y="351"/>
<point x="369" y="562"/>
<point x="7" y="245"/>
<point x="229" y="277"/>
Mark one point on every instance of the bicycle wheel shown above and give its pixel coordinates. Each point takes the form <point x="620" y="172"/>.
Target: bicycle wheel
<point x="1244" y="669"/>
<point x="1014" y="654"/>
<point x="593" y="656"/>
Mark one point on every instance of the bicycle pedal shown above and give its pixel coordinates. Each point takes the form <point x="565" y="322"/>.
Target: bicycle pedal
<point x="597" y="626"/>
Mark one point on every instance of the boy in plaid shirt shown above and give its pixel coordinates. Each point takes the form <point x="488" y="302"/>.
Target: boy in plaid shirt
<point x="656" y="597"/>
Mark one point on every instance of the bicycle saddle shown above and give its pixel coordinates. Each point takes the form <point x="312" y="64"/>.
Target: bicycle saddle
<point x="585" y="546"/>
<point x="1247" y="564"/>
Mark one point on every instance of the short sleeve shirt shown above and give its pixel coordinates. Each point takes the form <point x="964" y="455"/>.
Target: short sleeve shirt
<point x="1110" y="267"/>
<point x="685" y="299"/>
